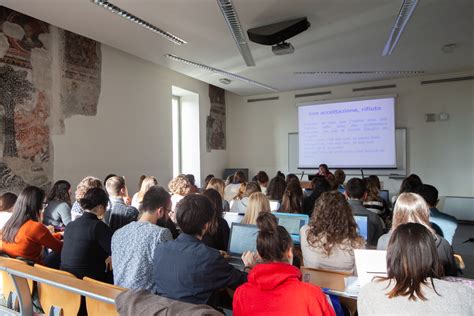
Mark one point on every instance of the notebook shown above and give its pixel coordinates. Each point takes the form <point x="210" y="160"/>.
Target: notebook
<point x="292" y="223"/>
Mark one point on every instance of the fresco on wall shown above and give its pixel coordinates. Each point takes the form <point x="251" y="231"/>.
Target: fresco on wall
<point x="215" y="125"/>
<point x="36" y="94"/>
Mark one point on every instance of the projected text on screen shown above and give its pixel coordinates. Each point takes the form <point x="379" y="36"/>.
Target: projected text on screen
<point x="349" y="134"/>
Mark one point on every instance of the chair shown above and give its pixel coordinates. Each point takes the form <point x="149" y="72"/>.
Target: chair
<point x="8" y="287"/>
<point x="54" y="299"/>
<point x="332" y="280"/>
<point x="99" y="308"/>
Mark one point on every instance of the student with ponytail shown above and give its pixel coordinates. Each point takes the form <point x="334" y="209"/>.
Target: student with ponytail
<point x="86" y="251"/>
<point x="274" y="286"/>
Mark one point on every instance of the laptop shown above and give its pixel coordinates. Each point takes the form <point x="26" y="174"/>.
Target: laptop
<point x="362" y="222"/>
<point x="242" y="238"/>
<point x="384" y="195"/>
<point x="232" y="217"/>
<point x="369" y="264"/>
<point x="292" y="223"/>
<point x="274" y="205"/>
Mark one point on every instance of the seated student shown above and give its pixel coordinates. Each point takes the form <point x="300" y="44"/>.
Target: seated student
<point x="179" y="187"/>
<point x="240" y="204"/>
<point x="413" y="285"/>
<point x="186" y="269"/>
<point x="83" y="186"/>
<point x="319" y="185"/>
<point x="87" y="239"/>
<point x="58" y="211"/>
<point x="24" y="236"/>
<point x="219" y="185"/>
<point x="328" y="242"/>
<point x="445" y="222"/>
<point x="192" y="183"/>
<point x="355" y="194"/>
<point x="258" y="203"/>
<point x="274" y="286"/>
<point x="7" y="201"/>
<point x="119" y="214"/>
<point x="146" y="183"/>
<point x="134" y="245"/>
<point x="291" y="177"/>
<point x="232" y="188"/>
<point x="218" y="235"/>
<point x="292" y="201"/>
<point x="262" y="179"/>
<point x="340" y="177"/>
<point x="374" y="203"/>
<point x="410" y="184"/>
<point x="412" y="208"/>
<point x="275" y="191"/>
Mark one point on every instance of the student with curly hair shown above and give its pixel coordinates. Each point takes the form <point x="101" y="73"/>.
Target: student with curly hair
<point x="83" y="186"/>
<point x="179" y="187"/>
<point x="328" y="242"/>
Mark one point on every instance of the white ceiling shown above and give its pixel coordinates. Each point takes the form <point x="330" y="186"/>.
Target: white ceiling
<point x="344" y="36"/>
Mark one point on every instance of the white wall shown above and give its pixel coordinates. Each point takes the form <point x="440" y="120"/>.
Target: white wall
<point x="132" y="131"/>
<point x="441" y="153"/>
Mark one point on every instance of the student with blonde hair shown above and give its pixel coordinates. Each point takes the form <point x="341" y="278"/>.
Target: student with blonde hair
<point x="240" y="203"/>
<point x="81" y="189"/>
<point x="412" y="208"/>
<point x="258" y="203"/>
<point x="219" y="185"/>
<point x="146" y="184"/>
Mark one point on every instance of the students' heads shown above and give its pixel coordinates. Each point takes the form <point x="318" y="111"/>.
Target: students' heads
<point x="276" y="188"/>
<point x="60" y="192"/>
<point x="116" y="186"/>
<point x="218" y="185"/>
<point x="281" y="175"/>
<point x="411" y="184"/>
<point x="207" y="179"/>
<point x="340" y="176"/>
<point x="332" y="222"/>
<point x="95" y="200"/>
<point x="191" y="179"/>
<point x="110" y="175"/>
<point x="258" y="203"/>
<point x="291" y="177"/>
<point x="262" y="178"/>
<point x="140" y="181"/>
<point x="239" y="177"/>
<point x="7" y="201"/>
<point x="250" y="188"/>
<point x="147" y="183"/>
<point x="411" y="208"/>
<point x="216" y="201"/>
<point x="373" y="187"/>
<point x="156" y="201"/>
<point x="429" y="193"/>
<point x="86" y="184"/>
<point x="412" y="259"/>
<point x="27" y="207"/>
<point x="274" y="243"/>
<point x="292" y="198"/>
<point x="355" y="188"/>
<point x="179" y="185"/>
<point x="194" y="214"/>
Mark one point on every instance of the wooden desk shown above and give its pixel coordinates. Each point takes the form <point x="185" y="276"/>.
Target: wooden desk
<point x="305" y="184"/>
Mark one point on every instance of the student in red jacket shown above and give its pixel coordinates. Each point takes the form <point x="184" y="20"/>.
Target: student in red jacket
<point x="274" y="286"/>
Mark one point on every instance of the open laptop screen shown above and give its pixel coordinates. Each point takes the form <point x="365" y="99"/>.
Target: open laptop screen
<point x="384" y="195"/>
<point x="242" y="238"/>
<point x="362" y="222"/>
<point x="292" y="222"/>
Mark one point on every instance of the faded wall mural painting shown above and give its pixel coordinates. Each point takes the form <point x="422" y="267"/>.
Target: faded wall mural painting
<point x="215" y="125"/>
<point x="40" y="85"/>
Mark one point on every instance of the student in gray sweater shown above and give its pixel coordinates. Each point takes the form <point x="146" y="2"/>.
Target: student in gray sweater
<point x="413" y="285"/>
<point x="58" y="211"/>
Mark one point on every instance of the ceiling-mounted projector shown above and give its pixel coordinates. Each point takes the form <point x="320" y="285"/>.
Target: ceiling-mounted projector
<point x="276" y="34"/>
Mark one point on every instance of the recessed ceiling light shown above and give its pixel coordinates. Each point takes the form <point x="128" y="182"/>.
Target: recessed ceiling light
<point x="220" y="72"/>
<point x="132" y="18"/>
<point x="225" y="81"/>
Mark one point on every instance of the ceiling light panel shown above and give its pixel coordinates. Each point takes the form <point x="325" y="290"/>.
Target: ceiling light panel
<point x="404" y="15"/>
<point x="235" y="28"/>
<point x="127" y="15"/>
<point x="376" y="72"/>
<point x="220" y="72"/>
